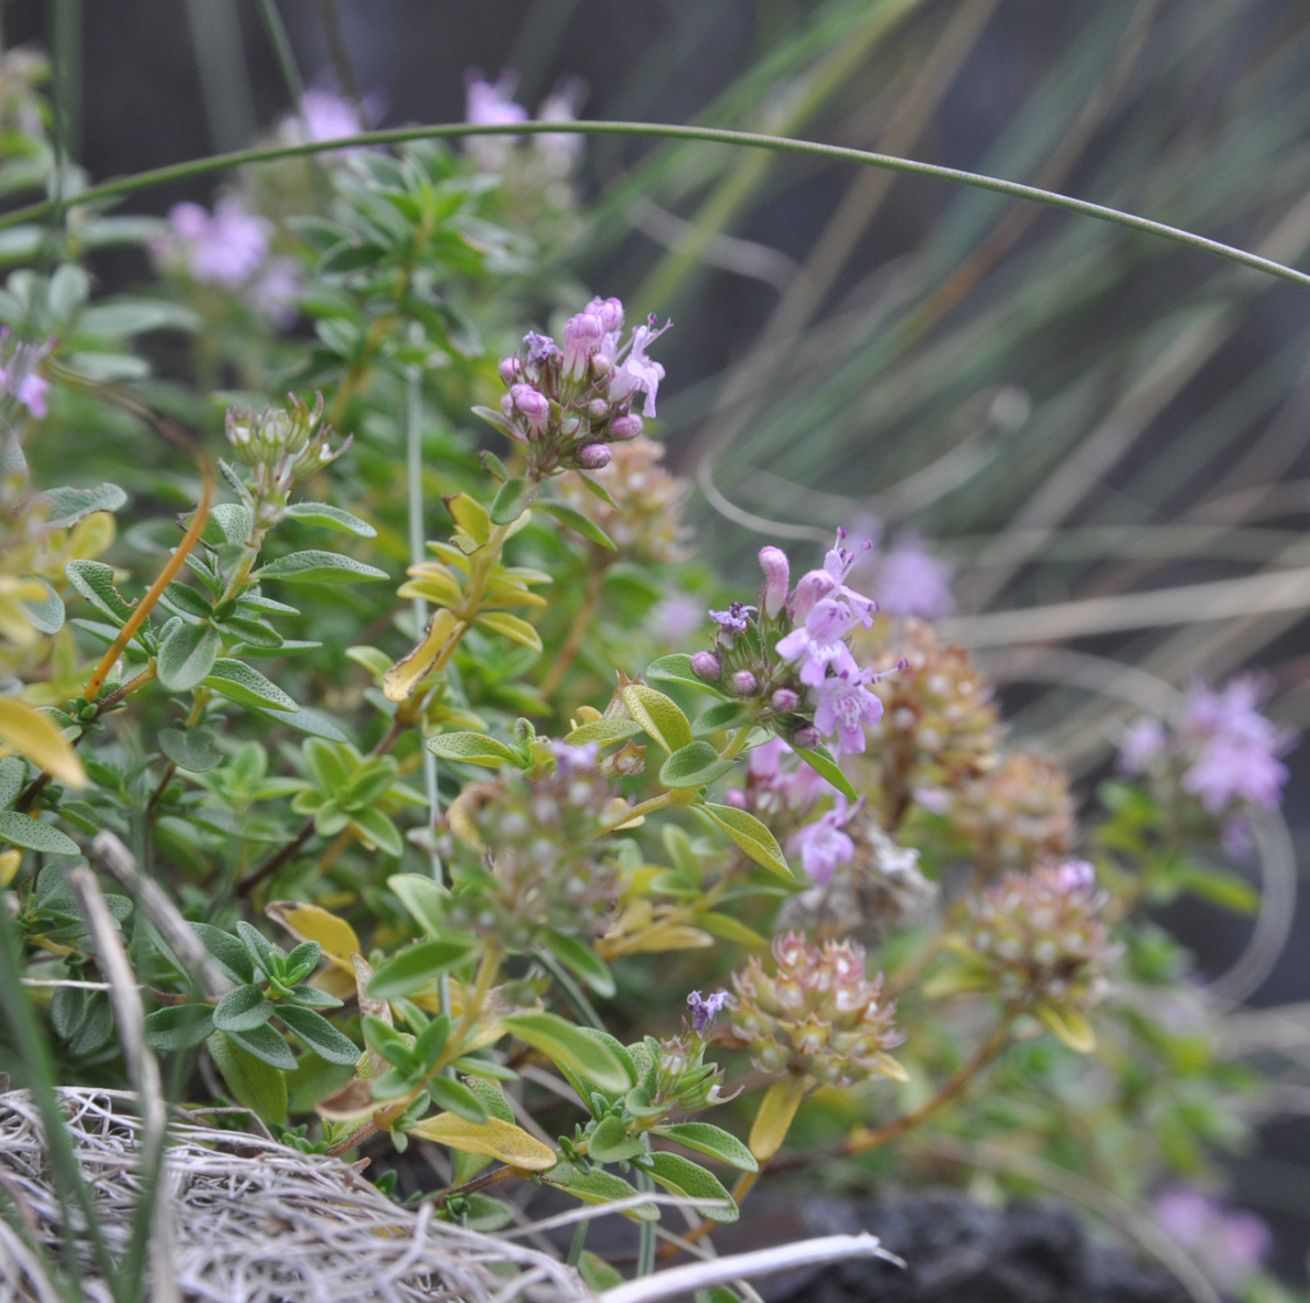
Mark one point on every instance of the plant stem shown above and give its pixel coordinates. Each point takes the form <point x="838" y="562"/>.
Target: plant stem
<point x="582" y="618"/>
<point x="636" y="812"/>
<point x="867" y="1141"/>
<point x="661" y="131"/>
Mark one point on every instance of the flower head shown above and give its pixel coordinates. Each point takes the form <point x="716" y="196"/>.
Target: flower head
<point x="705" y="1008"/>
<point x="843" y="706"/>
<point x="637" y="372"/>
<point x="20" y="379"/>
<point x="816" y="1015"/>
<point x="824" y="845"/>
<point x="226" y="247"/>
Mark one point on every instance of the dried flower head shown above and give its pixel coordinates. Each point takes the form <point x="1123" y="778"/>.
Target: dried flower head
<point x="1018" y="815"/>
<point x="645" y="521"/>
<point x="526" y="859"/>
<point x="1037" y="939"/>
<point x="938" y="725"/>
<point x="817" y="1015"/>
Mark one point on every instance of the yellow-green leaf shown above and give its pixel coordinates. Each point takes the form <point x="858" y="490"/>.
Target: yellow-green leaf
<point x="1070" y="1025"/>
<point x="660" y="716"/>
<point x="492" y="1138"/>
<point x="312" y="923"/>
<point x="773" y="1121"/>
<point x="34" y="735"/>
<point x="471" y="516"/>
<point x="750" y="835"/>
<point x="511" y="626"/>
<point x="399" y="682"/>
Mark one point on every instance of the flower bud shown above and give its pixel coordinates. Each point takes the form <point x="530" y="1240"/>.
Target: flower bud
<point x="706" y="665"/>
<point x="582" y="335"/>
<point x="509" y="369"/>
<point x="602" y="367"/>
<point x="777" y="580"/>
<point x="598" y="409"/>
<point x="594" y="457"/>
<point x="533" y="405"/>
<point x="626" y="427"/>
<point x="744" y="683"/>
<point x="785" y="701"/>
<point x="805" y="737"/>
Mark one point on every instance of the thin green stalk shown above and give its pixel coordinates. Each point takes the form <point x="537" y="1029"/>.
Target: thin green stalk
<point x="281" y="42"/>
<point x="663" y="131"/>
<point x="33" y="1051"/>
<point x="646" y="1232"/>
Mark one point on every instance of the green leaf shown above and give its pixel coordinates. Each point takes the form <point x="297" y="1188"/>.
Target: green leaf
<point x="229" y="522"/>
<point x="510" y="626"/>
<point x="579" y="958"/>
<point x="424" y="899"/>
<point x="243" y="1009"/>
<point x="66" y="506"/>
<point x="47" y="615"/>
<point x="122" y="316"/>
<point x="723" y="715"/>
<point x="747" y="833"/>
<point x="186" y="655"/>
<point x="473" y="749"/>
<point x="233" y="958"/>
<point x="676" y="668"/>
<point x="693" y="765"/>
<point x="596" y="1185"/>
<point x="253" y="1082"/>
<point x="13" y="774"/>
<point x="659" y="716"/>
<point x="513" y="499"/>
<point x="378" y="829"/>
<point x="267" y="1045"/>
<point x="457" y="1098"/>
<point x="681" y="1176"/>
<point x="329" y="517"/>
<point x="187" y="600"/>
<point x="1223" y="889"/>
<point x="349" y="256"/>
<point x="824" y="763"/>
<point x="95" y="581"/>
<point x="413" y="969"/>
<point x="23" y="830"/>
<point x="319" y="1034"/>
<point x="570" y="1047"/>
<point x="712" y="1141"/>
<point x="573" y="519"/>
<point x="179" y="1027"/>
<point x="610" y="1142"/>
<point x="603" y="731"/>
<point x="314" y="567"/>
<point x="246" y="686"/>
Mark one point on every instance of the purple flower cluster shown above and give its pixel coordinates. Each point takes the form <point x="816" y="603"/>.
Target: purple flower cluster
<point x="1229" y="1243"/>
<point x="229" y="248"/>
<point x="705" y="1009"/>
<point x="493" y="104"/>
<point x="568" y="404"/>
<point x="20" y="377"/>
<point x="1224" y="752"/>
<point x="792" y="649"/>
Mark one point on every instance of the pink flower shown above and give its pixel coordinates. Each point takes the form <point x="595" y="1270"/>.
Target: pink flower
<point x="583" y="333"/>
<point x="910" y="581"/>
<point x="777" y="581"/>
<point x="823" y="846"/>
<point x="492" y="104"/>
<point x="561" y="153"/>
<point x="816" y="656"/>
<point x="639" y="372"/>
<point x="20" y="379"/>
<point x="225" y="247"/>
<point x="1141" y="743"/>
<point x="844" y="705"/>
